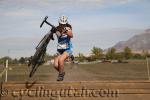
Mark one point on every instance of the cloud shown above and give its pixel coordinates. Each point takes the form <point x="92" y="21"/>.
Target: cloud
<point x="29" y="8"/>
<point x="57" y="4"/>
<point x="19" y="13"/>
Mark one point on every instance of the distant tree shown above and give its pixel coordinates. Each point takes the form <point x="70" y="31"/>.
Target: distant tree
<point x="90" y="58"/>
<point x="81" y="57"/>
<point x="15" y="61"/>
<point x="127" y="53"/>
<point x="111" y="53"/>
<point x="22" y="60"/>
<point x="97" y="52"/>
<point x="119" y="56"/>
<point x="3" y="59"/>
<point x="137" y="56"/>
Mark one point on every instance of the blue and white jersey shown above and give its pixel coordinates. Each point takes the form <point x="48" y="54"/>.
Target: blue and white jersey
<point x="64" y="42"/>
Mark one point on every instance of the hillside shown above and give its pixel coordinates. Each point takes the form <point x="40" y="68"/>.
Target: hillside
<point x="137" y="43"/>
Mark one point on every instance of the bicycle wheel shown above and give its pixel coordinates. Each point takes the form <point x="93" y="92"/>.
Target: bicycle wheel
<point x="39" y="59"/>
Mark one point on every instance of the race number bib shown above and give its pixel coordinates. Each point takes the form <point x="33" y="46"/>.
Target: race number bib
<point x="62" y="46"/>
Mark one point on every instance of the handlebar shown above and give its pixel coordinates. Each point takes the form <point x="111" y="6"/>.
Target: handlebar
<point x="45" y="21"/>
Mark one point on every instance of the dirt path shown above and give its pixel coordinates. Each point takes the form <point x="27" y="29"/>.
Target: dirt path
<point x="75" y="73"/>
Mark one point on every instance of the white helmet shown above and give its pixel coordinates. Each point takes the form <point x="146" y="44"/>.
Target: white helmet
<point x="63" y="19"/>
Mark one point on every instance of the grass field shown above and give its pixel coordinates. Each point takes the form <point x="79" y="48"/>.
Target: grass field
<point x="134" y="70"/>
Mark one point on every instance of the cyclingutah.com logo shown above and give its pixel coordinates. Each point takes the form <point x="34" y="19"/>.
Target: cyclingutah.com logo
<point x="41" y="91"/>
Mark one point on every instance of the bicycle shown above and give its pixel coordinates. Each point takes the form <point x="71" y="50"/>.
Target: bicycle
<point x="38" y="58"/>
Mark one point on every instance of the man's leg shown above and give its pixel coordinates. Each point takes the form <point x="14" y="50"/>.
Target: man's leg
<point x="56" y="63"/>
<point x="61" y="60"/>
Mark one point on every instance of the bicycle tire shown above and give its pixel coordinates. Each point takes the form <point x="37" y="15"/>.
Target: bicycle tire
<point x="32" y="70"/>
<point x="38" y="57"/>
<point x="36" y="64"/>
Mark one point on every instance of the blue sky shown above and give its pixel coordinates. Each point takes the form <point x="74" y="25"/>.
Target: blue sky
<point x="100" y="23"/>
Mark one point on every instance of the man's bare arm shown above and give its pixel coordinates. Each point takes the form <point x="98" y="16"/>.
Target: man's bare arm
<point x="69" y="32"/>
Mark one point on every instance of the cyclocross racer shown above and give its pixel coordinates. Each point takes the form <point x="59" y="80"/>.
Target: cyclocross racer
<point x="64" y="47"/>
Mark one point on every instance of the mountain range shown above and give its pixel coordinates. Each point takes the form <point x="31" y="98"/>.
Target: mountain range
<point x="137" y="43"/>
